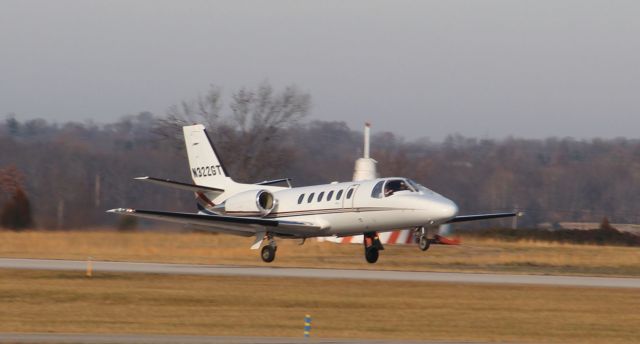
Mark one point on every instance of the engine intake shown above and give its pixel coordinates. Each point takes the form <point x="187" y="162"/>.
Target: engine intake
<point x="250" y="203"/>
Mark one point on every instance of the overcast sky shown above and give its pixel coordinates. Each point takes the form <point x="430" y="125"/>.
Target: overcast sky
<point x="418" y="68"/>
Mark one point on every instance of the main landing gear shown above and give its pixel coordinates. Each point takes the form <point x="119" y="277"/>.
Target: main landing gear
<point x="372" y="246"/>
<point x="268" y="253"/>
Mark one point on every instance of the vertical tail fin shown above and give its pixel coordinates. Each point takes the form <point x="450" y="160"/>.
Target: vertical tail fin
<point x="206" y="167"/>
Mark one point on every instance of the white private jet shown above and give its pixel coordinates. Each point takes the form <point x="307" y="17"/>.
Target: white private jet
<point x="269" y="212"/>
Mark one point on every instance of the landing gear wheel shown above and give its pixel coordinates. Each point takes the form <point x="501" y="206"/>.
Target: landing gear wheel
<point x="371" y="254"/>
<point x="424" y="243"/>
<point x="268" y="253"/>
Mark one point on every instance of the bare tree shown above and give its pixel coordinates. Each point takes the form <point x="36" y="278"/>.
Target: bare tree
<point x="11" y="179"/>
<point x="204" y="109"/>
<point x="250" y="137"/>
<point x="16" y="211"/>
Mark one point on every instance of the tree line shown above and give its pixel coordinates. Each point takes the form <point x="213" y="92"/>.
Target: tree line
<point x="72" y="172"/>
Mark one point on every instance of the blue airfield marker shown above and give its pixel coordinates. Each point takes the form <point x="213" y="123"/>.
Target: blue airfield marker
<point x="307" y="325"/>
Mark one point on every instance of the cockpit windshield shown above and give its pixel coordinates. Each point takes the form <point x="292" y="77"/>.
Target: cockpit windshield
<point x="414" y="184"/>
<point x="396" y="185"/>
<point x="419" y="187"/>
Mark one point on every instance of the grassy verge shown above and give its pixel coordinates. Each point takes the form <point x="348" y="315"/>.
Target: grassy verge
<point x="475" y="255"/>
<point x="144" y="303"/>
<point x="606" y="235"/>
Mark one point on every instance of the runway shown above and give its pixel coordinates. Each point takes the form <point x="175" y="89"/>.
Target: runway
<point x="230" y="270"/>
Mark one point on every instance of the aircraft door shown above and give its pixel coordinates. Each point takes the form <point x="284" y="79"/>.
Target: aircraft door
<point x="349" y="196"/>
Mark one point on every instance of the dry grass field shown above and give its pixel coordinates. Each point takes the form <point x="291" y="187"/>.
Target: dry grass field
<point x="474" y="255"/>
<point x="48" y="301"/>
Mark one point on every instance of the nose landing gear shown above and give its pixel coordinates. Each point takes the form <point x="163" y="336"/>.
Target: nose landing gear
<point x="372" y="246"/>
<point x="422" y="238"/>
<point x="424" y="243"/>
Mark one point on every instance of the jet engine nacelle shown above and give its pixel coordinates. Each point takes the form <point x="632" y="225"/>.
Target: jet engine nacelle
<point x="250" y="203"/>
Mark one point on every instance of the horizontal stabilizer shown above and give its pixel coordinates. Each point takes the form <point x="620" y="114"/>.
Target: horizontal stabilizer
<point x="180" y="185"/>
<point x="465" y="218"/>
<point x="276" y="181"/>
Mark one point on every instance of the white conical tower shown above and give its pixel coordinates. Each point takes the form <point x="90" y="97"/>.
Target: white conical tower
<point x="365" y="168"/>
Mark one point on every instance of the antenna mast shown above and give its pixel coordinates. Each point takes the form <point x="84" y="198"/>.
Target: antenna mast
<point x="367" y="129"/>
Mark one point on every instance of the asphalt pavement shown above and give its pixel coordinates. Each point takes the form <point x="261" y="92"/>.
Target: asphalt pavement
<point x="266" y="271"/>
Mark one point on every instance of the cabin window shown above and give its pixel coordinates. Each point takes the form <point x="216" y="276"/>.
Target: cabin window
<point x="300" y="199"/>
<point x="377" y="190"/>
<point x="310" y="197"/>
<point x="320" y="196"/>
<point x="394" y="186"/>
<point x="329" y="195"/>
<point x="349" y="193"/>
<point x="339" y="195"/>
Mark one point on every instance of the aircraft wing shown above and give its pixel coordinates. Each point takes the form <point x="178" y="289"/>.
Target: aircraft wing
<point x="244" y="226"/>
<point x="465" y="218"/>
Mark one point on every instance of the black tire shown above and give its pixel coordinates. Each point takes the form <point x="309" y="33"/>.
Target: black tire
<point x="371" y="254"/>
<point x="268" y="254"/>
<point x="424" y="243"/>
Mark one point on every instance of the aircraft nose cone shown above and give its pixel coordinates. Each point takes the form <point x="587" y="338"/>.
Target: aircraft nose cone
<point x="450" y="209"/>
<point x="439" y="209"/>
<point x="446" y="209"/>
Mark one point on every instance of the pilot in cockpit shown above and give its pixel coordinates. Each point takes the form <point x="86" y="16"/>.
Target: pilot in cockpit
<point x="393" y="186"/>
